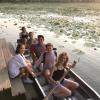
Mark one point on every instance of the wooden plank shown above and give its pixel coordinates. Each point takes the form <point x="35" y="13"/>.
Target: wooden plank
<point x="11" y="48"/>
<point x="4" y="78"/>
<point x="6" y="51"/>
<point x="31" y="92"/>
<point x="17" y="87"/>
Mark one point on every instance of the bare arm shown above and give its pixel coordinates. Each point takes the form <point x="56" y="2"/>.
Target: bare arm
<point x="69" y="66"/>
<point x="30" y="70"/>
<point x="50" y="77"/>
<point x="38" y="62"/>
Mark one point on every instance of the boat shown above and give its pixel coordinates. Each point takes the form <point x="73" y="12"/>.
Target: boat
<point x="84" y="91"/>
<point x="41" y="88"/>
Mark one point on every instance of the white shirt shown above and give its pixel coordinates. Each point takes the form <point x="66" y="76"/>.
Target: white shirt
<point x="14" y="65"/>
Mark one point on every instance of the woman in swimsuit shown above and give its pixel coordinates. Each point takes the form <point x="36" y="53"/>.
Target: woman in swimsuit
<point x="66" y="86"/>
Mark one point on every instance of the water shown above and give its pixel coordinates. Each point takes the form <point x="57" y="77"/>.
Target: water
<point x="76" y="32"/>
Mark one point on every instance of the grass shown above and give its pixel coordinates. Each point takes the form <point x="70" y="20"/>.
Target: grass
<point x="63" y="8"/>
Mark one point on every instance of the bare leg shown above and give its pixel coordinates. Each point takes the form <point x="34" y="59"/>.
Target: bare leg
<point x="62" y="91"/>
<point x="70" y="84"/>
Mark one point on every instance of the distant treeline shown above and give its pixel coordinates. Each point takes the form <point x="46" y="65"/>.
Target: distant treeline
<point x="49" y="0"/>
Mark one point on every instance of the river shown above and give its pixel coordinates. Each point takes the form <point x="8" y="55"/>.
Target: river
<point x="74" y="28"/>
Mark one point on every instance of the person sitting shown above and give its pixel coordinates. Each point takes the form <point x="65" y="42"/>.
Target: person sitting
<point x="23" y="34"/>
<point x="66" y="86"/>
<point x="18" y="63"/>
<point x="27" y="48"/>
<point x="37" y="49"/>
<point x="31" y="39"/>
<point x="48" y="58"/>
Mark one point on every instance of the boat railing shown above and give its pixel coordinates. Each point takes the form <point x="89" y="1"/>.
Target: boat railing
<point x="85" y="87"/>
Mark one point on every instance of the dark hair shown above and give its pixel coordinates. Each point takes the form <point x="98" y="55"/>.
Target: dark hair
<point x="23" y="28"/>
<point x="40" y="36"/>
<point x="18" y="48"/>
<point x="30" y="33"/>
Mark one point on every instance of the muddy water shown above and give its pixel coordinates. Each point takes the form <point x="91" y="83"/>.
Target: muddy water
<point x="76" y="33"/>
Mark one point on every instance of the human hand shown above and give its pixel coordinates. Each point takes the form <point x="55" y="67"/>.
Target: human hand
<point x="69" y="66"/>
<point x="33" y="74"/>
<point x="74" y="63"/>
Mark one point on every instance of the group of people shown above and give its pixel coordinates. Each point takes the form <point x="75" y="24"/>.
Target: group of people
<point x="54" y="66"/>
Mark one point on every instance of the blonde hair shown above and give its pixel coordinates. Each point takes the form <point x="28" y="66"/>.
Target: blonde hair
<point x="60" y="59"/>
<point x="49" y="44"/>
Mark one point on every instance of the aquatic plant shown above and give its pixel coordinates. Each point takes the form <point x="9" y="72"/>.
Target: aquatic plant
<point x="68" y="19"/>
